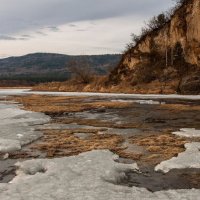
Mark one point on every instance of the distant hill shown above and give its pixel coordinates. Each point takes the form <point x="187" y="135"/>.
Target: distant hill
<point x="44" y="67"/>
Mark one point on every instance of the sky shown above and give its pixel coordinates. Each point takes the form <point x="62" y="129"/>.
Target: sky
<point x="74" y="27"/>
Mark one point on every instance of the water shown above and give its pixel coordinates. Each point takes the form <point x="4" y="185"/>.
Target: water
<point x="6" y="92"/>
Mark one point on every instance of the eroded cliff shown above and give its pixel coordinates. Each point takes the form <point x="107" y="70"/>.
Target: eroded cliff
<point x="167" y="59"/>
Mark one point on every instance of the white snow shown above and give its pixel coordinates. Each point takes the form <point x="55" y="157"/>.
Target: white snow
<point x="187" y="159"/>
<point x="4" y="92"/>
<point x="9" y="145"/>
<point x="151" y="102"/>
<point x="88" y="176"/>
<point x="15" y="127"/>
<point x="187" y="132"/>
<point x="119" y="95"/>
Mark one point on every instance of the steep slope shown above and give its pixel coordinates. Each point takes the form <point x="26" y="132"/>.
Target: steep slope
<point x="166" y="60"/>
<point x="42" y="67"/>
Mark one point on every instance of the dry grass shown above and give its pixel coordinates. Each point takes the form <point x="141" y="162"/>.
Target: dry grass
<point x="101" y="84"/>
<point x="59" y="105"/>
<point x="180" y="107"/>
<point x="56" y="143"/>
<point x="159" y="147"/>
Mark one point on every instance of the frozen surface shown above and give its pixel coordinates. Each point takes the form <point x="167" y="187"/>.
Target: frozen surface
<point x="4" y="92"/>
<point x="142" y="101"/>
<point x="136" y="96"/>
<point x="88" y="176"/>
<point x="16" y="127"/>
<point x="66" y="126"/>
<point x="9" y="145"/>
<point x="188" y="159"/>
<point x="187" y="132"/>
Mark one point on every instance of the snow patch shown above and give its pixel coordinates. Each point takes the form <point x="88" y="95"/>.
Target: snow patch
<point x="150" y="102"/>
<point x="187" y="132"/>
<point x="7" y="146"/>
<point x="16" y="127"/>
<point x="31" y="168"/>
<point x="88" y="176"/>
<point x="188" y="159"/>
<point x="5" y="92"/>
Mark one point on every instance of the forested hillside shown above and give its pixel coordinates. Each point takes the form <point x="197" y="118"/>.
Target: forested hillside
<point x="44" y="67"/>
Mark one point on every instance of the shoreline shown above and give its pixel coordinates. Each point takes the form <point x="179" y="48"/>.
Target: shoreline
<point x="71" y="133"/>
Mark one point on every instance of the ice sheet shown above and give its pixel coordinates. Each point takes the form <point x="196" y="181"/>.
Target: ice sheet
<point x="141" y="101"/>
<point x="187" y="159"/>
<point x="16" y="127"/>
<point x="4" y="92"/>
<point x="88" y="176"/>
<point x="187" y="132"/>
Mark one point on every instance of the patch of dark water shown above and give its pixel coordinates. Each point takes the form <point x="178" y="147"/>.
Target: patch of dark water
<point x="7" y="170"/>
<point x="157" y="181"/>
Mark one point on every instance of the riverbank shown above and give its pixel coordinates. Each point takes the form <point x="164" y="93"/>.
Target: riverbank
<point x="104" y="121"/>
<point x="138" y="128"/>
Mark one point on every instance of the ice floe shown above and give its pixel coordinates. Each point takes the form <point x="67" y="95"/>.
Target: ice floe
<point x="5" y="92"/>
<point x="190" y="158"/>
<point x="16" y="127"/>
<point x="88" y="176"/>
<point x="187" y="132"/>
<point x="9" y="145"/>
<point x="141" y="101"/>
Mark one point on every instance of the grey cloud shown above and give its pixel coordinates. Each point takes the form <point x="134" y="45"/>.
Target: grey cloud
<point x="81" y="30"/>
<point x="41" y="33"/>
<point x="26" y="36"/>
<point x="17" y="15"/>
<point x="53" y="28"/>
<point x="72" y="25"/>
<point x="5" y="37"/>
<point x="22" y="38"/>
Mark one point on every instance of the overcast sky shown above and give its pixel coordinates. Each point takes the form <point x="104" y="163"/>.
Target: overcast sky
<point x="72" y="26"/>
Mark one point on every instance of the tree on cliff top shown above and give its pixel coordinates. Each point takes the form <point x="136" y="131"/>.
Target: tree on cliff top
<point x="155" y="23"/>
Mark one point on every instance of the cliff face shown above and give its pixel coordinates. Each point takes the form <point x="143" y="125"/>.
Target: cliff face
<point x="170" y="54"/>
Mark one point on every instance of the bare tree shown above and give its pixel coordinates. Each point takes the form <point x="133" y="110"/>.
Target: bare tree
<point x="81" y="71"/>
